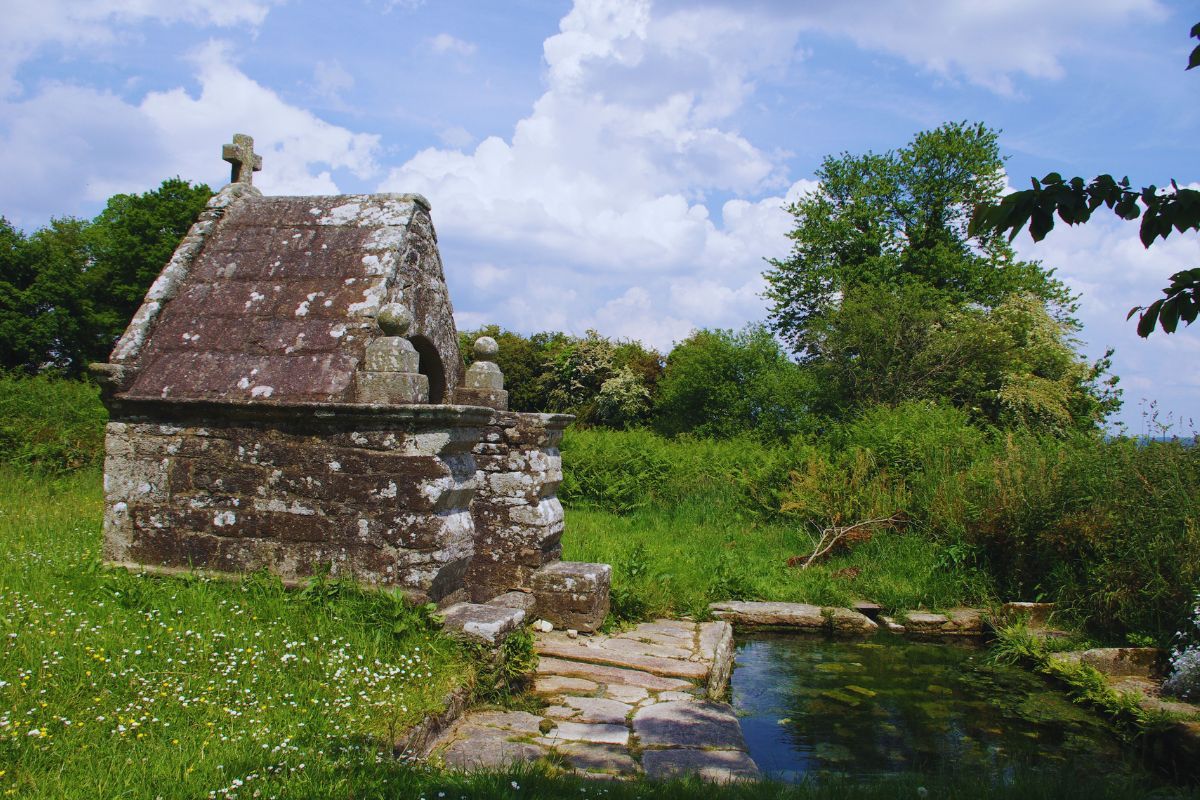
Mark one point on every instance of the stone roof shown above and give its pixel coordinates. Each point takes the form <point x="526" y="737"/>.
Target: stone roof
<point x="273" y="299"/>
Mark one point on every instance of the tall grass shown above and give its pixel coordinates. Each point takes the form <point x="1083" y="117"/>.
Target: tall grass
<point x="1108" y="528"/>
<point x="50" y="425"/>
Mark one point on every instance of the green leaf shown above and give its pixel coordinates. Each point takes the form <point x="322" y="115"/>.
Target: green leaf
<point x="1148" y="319"/>
<point x="1168" y="314"/>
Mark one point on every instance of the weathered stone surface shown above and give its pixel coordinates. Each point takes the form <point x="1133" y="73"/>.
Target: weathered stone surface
<point x="390" y="388"/>
<point x="622" y="645"/>
<point x="802" y="616"/>
<point x="487" y="624"/>
<point x="598" y="654"/>
<point x="601" y="673"/>
<point x="793" y="615"/>
<point x="518" y="518"/>
<point x="625" y="694"/>
<point x="489" y="749"/>
<point x="719" y="766"/>
<point x="392" y="354"/>
<point x="869" y="610"/>
<point x="597" y="709"/>
<point x="522" y="600"/>
<point x="1146" y="662"/>
<point x="688" y="724"/>
<point x="959" y="622"/>
<point x="558" y="684"/>
<point x="517" y="721"/>
<point x="598" y="733"/>
<point x="716" y="648"/>
<point x="847" y="622"/>
<point x="599" y="758"/>
<point x="573" y="594"/>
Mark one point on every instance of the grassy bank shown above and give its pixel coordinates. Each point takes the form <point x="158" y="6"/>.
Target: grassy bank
<point x="1108" y="529"/>
<point x="115" y="685"/>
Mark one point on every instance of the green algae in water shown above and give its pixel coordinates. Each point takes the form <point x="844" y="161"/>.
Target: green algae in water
<point x="896" y="706"/>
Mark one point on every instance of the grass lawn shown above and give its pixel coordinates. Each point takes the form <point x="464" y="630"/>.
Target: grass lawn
<point x="677" y="560"/>
<point x="119" y="686"/>
<point x="115" y="685"/>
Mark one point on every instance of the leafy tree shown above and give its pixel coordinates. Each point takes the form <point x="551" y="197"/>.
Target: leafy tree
<point x="723" y="384"/>
<point x="130" y="241"/>
<point x="1011" y="366"/>
<point x="898" y="218"/>
<point x="522" y="360"/>
<point x="68" y="290"/>
<point x="1075" y="200"/>
<point x="624" y="400"/>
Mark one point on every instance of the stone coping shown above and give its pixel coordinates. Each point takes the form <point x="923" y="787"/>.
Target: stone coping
<point x="125" y="409"/>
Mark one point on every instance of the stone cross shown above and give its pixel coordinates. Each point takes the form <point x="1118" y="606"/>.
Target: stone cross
<point x="243" y="158"/>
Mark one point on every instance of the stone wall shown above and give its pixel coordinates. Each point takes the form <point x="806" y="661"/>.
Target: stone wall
<point x="380" y="494"/>
<point x="518" y="518"/>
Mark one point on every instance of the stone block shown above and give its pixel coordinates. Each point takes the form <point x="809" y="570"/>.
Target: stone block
<point x="391" y="388"/>
<point x="522" y="600"/>
<point x="481" y="623"/>
<point x="484" y="375"/>
<point x="489" y="398"/>
<point x="573" y="594"/>
<point x="391" y="354"/>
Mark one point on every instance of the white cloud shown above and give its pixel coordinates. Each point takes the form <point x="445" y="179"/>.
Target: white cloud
<point x="445" y="43"/>
<point x="606" y="178"/>
<point x="984" y="43"/>
<point x="30" y="25"/>
<point x="331" y="79"/>
<point x="1105" y="262"/>
<point x="69" y="146"/>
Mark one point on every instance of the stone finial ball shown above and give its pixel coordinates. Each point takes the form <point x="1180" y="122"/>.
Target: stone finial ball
<point x="394" y="319"/>
<point x="486" y="348"/>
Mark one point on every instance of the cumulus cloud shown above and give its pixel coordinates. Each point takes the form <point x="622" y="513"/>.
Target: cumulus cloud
<point x="69" y="145"/>
<point x="1106" y="264"/>
<point x="605" y="181"/>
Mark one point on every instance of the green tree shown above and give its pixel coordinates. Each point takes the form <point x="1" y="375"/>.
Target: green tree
<point x="68" y="290"/>
<point x="130" y="242"/>
<point x="899" y="218"/>
<point x="523" y="361"/>
<point x="1011" y="366"/>
<point x="722" y="384"/>
<point x="1075" y="200"/>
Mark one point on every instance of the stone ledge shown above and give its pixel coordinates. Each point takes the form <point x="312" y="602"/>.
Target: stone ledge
<point x="802" y="616"/>
<point x="481" y="623"/>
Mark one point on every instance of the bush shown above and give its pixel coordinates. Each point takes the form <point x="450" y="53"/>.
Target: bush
<point x="50" y="425"/>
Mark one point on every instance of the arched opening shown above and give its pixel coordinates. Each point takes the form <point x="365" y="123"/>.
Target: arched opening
<point x="431" y="367"/>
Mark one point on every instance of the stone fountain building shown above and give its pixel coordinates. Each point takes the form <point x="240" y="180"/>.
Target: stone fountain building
<point x="291" y="396"/>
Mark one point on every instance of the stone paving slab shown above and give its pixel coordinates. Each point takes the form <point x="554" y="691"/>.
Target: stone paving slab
<point x="603" y="673"/>
<point x="620" y="705"/>
<point x="601" y="654"/>
<point x="720" y="766"/>
<point x="682" y="723"/>
<point x="600" y="758"/>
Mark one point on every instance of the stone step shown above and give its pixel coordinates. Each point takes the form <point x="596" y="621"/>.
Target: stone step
<point x="601" y="673"/>
<point x="481" y="623"/>
<point x="599" y="654"/>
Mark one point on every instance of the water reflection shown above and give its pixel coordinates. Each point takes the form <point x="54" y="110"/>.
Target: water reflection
<point x="812" y="706"/>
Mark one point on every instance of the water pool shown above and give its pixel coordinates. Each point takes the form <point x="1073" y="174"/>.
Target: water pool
<point x="812" y="707"/>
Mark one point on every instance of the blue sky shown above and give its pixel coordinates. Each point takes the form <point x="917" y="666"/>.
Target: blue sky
<point x="614" y="164"/>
